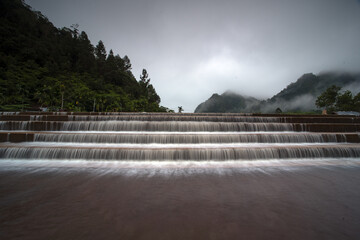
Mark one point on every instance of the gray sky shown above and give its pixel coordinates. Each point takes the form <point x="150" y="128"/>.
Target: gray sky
<point x="194" y="48"/>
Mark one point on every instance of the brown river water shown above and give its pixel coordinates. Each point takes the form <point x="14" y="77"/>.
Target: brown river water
<point x="289" y="199"/>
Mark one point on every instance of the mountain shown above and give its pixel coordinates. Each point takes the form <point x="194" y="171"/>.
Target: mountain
<point x="297" y="96"/>
<point x="59" y="68"/>
<point x="227" y="102"/>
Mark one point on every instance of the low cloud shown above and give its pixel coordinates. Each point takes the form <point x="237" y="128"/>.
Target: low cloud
<point x="306" y="101"/>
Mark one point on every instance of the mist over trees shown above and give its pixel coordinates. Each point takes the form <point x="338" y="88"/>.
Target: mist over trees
<point x="299" y="96"/>
<point x="41" y="65"/>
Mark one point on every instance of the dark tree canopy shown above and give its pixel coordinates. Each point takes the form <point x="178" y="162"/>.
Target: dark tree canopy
<point x="333" y="100"/>
<point x="328" y="98"/>
<point x="144" y="79"/>
<point x="147" y="89"/>
<point x="41" y="65"/>
<point x="100" y="51"/>
<point x="345" y="101"/>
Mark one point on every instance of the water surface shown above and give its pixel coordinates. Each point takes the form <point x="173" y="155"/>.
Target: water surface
<point x="277" y="199"/>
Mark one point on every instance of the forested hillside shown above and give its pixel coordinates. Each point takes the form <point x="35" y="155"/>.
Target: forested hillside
<point x="43" y="66"/>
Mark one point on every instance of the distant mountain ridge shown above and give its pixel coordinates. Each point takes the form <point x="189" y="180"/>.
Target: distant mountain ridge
<point x="297" y="96"/>
<point x="228" y="102"/>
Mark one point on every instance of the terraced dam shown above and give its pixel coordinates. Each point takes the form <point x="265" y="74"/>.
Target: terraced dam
<point x="179" y="176"/>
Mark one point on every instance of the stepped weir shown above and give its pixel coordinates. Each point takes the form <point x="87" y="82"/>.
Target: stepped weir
<point x="179" y="176"/>
<point x="162" y="136"/>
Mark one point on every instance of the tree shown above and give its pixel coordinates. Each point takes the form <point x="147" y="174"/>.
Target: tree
<point x="144" y="79"/>
<point x="127" y="64"/>
<point x="153" y="97"/>
<point x="100" y="51"/>
<point x="328" y="98"/>
<point x="119" y="62"/>
<point x="86" y="62"/>
<point x="345" y="102"/>
<point x="356" y="102"/>
<point x="60" y="68"/>
<point x="147" y="89"/>
<point x="111" y="60"/>
<point x="75" y="29"/>
<point x="333" y="100"/>
<point x="100" y="54"/>
<point x="180" y="109"/>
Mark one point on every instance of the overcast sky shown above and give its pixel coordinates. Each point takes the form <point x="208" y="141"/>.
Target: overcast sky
<point x="194" y="48"/>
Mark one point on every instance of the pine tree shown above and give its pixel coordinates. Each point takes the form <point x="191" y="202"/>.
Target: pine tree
<point x="100" y="54"/>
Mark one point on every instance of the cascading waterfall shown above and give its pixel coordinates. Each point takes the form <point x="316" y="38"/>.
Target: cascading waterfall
<point x="144" y="137"/>
<point x="171" y="118"/>
<point x="179" y="117"/>
<point x="143" y="126"/>
<point x="180" y="154"/>
<point x="163" y="136"/>
<point x="9" y="113"/>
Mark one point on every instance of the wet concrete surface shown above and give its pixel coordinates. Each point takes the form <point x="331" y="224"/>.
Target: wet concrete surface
<point x="286" y="201"/>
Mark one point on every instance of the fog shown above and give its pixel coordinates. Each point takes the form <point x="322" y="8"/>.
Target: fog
<point x="305" y="102"/>
<point x="192" y="49"/>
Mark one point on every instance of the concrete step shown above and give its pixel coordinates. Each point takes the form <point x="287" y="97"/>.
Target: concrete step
<point x="259" y="151"/>
<point x="220" y="137"/>
<point x="163" y="117"/>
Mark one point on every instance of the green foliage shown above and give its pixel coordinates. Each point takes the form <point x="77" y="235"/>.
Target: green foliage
<point x="328" y="98"/>
<point x="345" y="102"/>
<point x="148" y="91"/>
<point x="356" y="102"/>
<point x="332" y="100"/>
<point x="41" y="65"/>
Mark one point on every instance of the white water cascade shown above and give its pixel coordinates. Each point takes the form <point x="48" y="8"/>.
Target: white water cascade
<point x="161" y="136"/>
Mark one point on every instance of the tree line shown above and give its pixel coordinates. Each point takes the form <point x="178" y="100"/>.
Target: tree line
<point x="332" y="99"/>
<point x="59" y="68"/>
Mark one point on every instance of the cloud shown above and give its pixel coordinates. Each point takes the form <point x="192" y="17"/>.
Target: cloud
<point x="305" y="101"/>
<point x="193" y="49"/>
